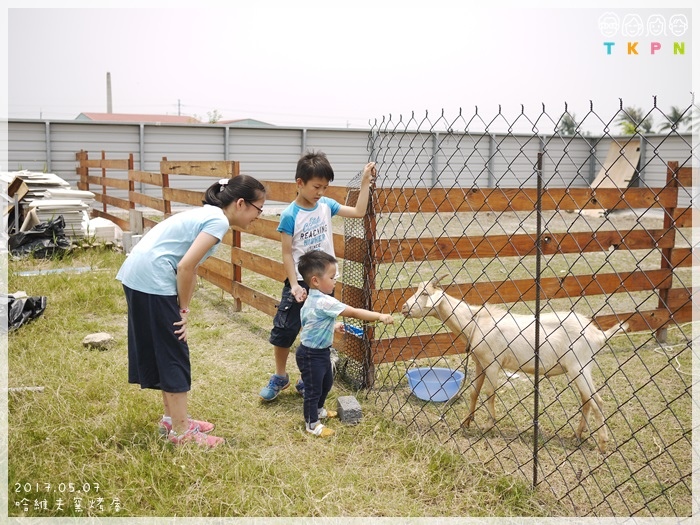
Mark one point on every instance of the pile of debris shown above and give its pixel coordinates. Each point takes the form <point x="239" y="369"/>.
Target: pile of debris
<point x="40" y="205"/>
<point x="41" y="197"/>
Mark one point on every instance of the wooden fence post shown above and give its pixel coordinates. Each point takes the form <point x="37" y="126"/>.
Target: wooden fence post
<point x="104" y="185"/>
<point x="133" y="219"/>
<point x="81" y="157"/>
<point x="370" y="272"/>
<point x="669" y="222"/>
<point x="132" y="204"/>
<point x="235" y="244"/>
<point x="167" y="210"/>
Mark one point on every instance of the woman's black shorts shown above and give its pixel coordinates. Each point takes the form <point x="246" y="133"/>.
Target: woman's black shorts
<point x="157" y="358"/>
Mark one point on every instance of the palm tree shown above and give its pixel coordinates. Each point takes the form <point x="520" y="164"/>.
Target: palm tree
<point x="676" y="117"/>
<point x="632" y="119"/>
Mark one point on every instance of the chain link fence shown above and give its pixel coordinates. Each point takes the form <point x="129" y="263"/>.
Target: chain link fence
<point x="526" y="226"/>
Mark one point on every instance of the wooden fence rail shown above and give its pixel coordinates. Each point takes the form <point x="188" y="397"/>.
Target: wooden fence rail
<point x="674" y="304"/>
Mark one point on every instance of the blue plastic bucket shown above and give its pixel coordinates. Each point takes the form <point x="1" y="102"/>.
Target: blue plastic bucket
<point x="434" y="384"/>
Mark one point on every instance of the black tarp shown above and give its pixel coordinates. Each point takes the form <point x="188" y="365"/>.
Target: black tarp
<point x="43" y="241"/>
<point x="21" y="310"/>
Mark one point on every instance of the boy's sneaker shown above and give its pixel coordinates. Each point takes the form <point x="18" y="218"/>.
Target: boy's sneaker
<point x="323" y="413"/>
<point x="320" y="430"/>
<point x="274" y="387"/>
<point x="193" y="435"/>
<point x="164" y="427"/>
<point x="300" y="387"/>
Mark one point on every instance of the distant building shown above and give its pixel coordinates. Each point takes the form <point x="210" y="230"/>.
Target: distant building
<point x="135" y="117"/>
<point x="246" y="123"/>
<point x="168" y="119"/>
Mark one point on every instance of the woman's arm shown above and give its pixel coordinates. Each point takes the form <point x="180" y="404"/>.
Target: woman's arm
<point x="187" y="275"/>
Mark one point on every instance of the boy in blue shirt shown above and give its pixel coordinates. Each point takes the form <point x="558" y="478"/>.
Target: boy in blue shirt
<point x="305" y="225"/>
<point x="318" y="315"/>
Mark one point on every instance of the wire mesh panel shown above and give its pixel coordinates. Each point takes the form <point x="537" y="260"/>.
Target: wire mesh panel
<point x="355" y="365"/>
<point x="545" y="281"/>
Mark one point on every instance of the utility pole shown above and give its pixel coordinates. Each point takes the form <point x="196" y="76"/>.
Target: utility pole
<point x="109" y="92"/>
<point x="178" y="107"/>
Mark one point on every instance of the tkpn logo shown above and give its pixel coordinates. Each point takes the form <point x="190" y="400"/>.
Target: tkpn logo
<point x="652" y="35"/>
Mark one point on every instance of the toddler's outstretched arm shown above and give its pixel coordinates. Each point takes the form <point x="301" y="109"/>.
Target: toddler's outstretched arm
<point x="367" y="315"/>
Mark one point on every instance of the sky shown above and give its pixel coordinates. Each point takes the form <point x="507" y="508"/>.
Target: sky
<point x="332" y="64"/>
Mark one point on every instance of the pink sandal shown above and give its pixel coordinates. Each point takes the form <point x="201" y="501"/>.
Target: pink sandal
<point x="164" y="427"/>
<point x="194" y="435"/>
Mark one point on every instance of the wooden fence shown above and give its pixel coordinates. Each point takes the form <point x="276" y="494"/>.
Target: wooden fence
<point x="674" y="304"/>
<point x="225" y="274"/>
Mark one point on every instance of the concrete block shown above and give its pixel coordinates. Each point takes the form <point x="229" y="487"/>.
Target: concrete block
<point x="129" y="240"/>
<point x="136" y="222"/>
<point x="349" y="410"/>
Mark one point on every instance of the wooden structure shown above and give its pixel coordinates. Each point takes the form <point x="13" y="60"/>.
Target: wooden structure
<point x="225" y="274"/>
<point x="674" y="304"/>
<point x="620" y="165"/>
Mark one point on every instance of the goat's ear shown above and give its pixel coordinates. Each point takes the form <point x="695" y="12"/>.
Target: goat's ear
<point x="436" y="297"/>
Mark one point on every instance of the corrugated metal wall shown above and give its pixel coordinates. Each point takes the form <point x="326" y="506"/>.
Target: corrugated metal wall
<point x="419" y="159"/>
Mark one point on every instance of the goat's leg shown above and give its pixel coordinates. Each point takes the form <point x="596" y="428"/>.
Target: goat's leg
<point x="589" y="408"/>
<point x="603" y="430"/>
<point x="583" y="423"/>
<point x="478" y="382"/>
<point x="492" y="383"/>
<point x="591" y="404"/>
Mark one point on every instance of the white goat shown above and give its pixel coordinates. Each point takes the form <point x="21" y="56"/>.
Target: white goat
<point x="498" y="339"/>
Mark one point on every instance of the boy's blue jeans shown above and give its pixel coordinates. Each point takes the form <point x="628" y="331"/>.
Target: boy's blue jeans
<point x="317" y="375"/>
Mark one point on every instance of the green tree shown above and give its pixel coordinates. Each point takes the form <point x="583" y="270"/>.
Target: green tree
<point x="632" y="120"/>
<point x="677" y="118"/>
<point x="568" y="124"/>
<point x="214" y="116"/>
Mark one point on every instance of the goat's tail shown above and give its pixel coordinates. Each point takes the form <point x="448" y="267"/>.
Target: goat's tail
<point x="614" y="329"/>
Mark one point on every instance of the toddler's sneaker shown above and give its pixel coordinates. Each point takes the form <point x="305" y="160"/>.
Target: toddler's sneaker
<point x="300" y="387"/>
<point x="320" y="430"/>
<point x="274" y="387"/>
<point x="193" y="435"/>
<point x="323" y="413"/>
<point x="164" y="427"/>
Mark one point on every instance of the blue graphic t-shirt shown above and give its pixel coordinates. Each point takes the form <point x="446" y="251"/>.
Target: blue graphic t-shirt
<point x="318" y="317"/>
<point x="310" y="229"/>
<point x="151" y="266"/>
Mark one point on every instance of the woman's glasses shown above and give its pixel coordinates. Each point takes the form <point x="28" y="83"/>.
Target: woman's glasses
<point x="256" y="207"/>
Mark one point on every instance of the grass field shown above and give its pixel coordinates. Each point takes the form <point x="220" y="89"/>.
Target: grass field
<point x="88" y="427"/>
<point x="645" y="385"/>
<point x="90" y="431"/>
<point x="646" y="394"/>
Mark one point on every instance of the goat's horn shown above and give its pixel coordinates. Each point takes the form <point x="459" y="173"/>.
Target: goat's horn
<point x="438" y="279"/>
